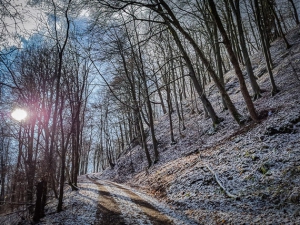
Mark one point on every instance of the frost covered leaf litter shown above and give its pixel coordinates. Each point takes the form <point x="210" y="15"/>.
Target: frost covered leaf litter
<point x="80" y="207"/>
<point x="258" y="162"/>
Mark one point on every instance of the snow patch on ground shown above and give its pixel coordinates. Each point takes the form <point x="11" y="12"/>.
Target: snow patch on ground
<point x="80" y="206"/>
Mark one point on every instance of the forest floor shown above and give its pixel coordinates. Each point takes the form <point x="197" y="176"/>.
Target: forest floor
<point x="228" y="174"/>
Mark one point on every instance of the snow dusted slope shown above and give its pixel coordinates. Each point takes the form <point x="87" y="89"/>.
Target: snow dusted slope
<point x="259" y="162"/>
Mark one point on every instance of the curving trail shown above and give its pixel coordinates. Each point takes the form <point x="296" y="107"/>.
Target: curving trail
<point x="118" y="204"/>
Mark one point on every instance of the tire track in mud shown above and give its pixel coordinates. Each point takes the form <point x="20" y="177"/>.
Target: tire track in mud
<point x="108" y="211"/>
<point x="118" y="205"/>
<point x="142" y="212"/>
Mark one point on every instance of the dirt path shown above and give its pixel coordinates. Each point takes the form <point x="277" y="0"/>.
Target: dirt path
<point x="118" y="204"/>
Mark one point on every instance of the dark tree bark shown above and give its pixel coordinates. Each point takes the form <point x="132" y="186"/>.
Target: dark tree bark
<point x="234" y="62"/>
<point x="39" y="193"/>
<point x="4" y="152"/>
<point x="58" y="75"/>
<point x="197" y="85"/>
<point x="266" y="50"/>
<point x="136" y="109"/>
<point x="166" y="77"/>
<point x="64" y="146"/>
<point x="163" y="107"/>
<point x="233" y="34"/>
<point x="236" y="9"/>
<point x="295" y="11"/>
<point x="39" y="203"/>
<point x="204" y="60"/>
<point x="172" y="71"/>
<point x="219" y="62"/>
<point x="278" y="24"/>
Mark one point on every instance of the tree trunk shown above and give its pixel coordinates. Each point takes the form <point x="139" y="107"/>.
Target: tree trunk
<point x="232" y="35"/>
<point x="163" y="107"/>
<point x="265" y="48"/>
<point x="39" y="193"/>
<point x="295" y="11"/>
<point x="219" y="62"/>
<point x="58" y="75"/>
<point x="63" y="158"/>
<point x="204" y="60"/>
<point x="144" y="140"/>
<point x="254" y="85"/>
<point x="170" y="113"/>
<point x="234" y="62"/>
<point x="215" y="119"/>
<point x="279" y="25"/>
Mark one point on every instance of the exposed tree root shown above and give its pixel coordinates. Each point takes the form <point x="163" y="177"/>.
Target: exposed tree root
<point x="220" y="184"/>
<point x="74" y="188"/>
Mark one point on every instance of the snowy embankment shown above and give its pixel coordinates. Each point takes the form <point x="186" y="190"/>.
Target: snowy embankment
<point x="80" y="207"/>
<point x="258" y="162"/>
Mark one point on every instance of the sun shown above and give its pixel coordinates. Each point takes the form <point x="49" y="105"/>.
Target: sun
<point x="19" y="114"/>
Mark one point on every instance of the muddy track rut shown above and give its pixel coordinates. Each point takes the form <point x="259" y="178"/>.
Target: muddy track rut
<point x="120" y="205"/>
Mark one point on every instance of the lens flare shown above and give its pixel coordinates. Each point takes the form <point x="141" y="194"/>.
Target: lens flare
<point x="19" y="114"/>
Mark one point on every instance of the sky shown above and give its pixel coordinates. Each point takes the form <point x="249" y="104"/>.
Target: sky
<point x="24" y="26"/>
<point x="32" y="19"/>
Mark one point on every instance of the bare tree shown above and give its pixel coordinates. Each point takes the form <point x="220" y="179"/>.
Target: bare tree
<point x="236" y="9"/>
<point x="265" y="43"/>
<point x="234" y="62"/>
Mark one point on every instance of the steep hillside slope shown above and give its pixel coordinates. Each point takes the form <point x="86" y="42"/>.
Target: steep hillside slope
<point x="231" y="174"/>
